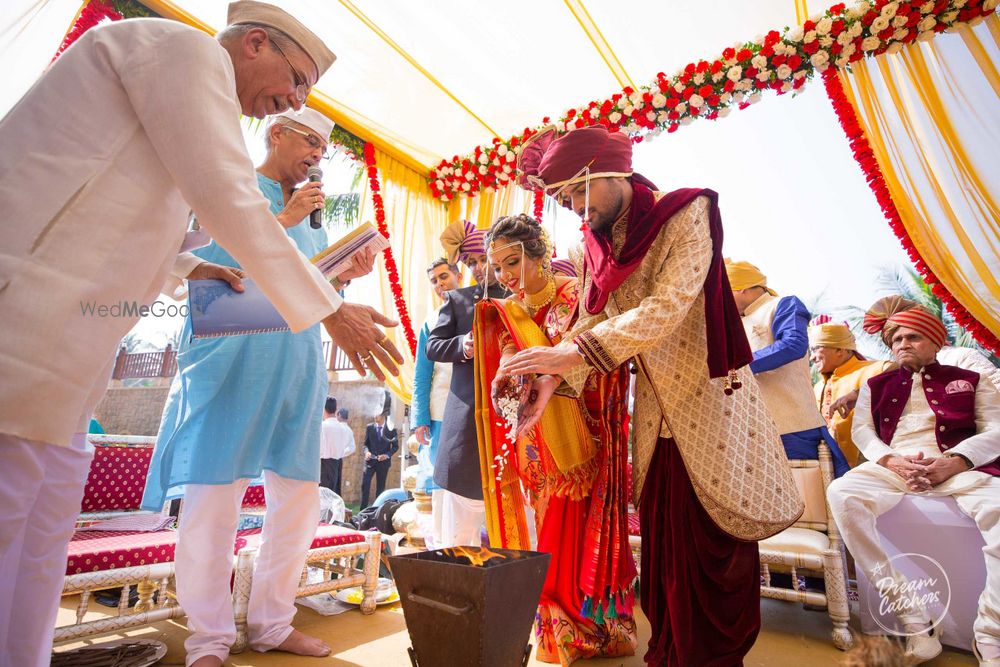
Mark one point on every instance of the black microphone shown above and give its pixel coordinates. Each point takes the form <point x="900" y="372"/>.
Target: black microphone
<point x="315" y="175"/>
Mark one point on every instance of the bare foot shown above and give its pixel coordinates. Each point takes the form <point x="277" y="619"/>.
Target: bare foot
<point x="207" y="661"/>
<point x="302" y="644"/>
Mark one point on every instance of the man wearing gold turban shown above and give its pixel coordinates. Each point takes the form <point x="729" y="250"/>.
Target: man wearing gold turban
<point x="654" y="293"/>
<point x="777" y="330"/>
<point x="930" y="429"/>
<point x="842" y="372"/>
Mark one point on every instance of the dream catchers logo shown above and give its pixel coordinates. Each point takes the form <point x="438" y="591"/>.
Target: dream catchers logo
<point x="912" y="586"/>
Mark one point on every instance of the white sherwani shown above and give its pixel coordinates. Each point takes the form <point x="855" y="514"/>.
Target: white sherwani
<point x="133" y="127"/>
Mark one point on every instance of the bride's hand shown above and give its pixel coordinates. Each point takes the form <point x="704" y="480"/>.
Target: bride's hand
<point x="539" y="393"/>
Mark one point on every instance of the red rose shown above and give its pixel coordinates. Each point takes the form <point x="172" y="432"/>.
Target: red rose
<point x="914" y="18"/>
<point x="812" y="47"/>
<point x="673" y="115"/>
<point x="664" y="85"/>
<point x="672" y="128"/>
<point x="798" y="83"/>
<point x="838" y="8"/>
<point x="713" y="100"/>
<point x="570" y="113"/>
<point x="689" y="68"/>
<point x="684" y="77"/>
<point x="688" y="92"/>
<point x="886" y="34"/>
<point x="794" y="61"/>
<point x="778" y="61"/>
<point x="628" y="90"/>
<point x="579" y="122"/>
<point x="729" y="53"/>
<point x="744" y="105"/>
<point x="694" y="111"/>
<point x="729" y="86"/>
<point x="514" y="142"/>
<point x="744" y="54"/>
<point x="807" y="26"/>
<point x="647" y="97"/>
<point x="760" y="84"/>
<point x="672" y="102"/>
<point x="772" y="38"/>
<point x="702" y="67"/>
<point x="606" y="107"/>
<point x="750" y="72"/>
<point x="706" y="90"/>
<point x="942" y="5"/>
<point x="713" y="115"/>
<point x="868" y="18"/>
<point x="836" y="48"/>
<point x="838" y="27"/>
<point x="716" y="67"/>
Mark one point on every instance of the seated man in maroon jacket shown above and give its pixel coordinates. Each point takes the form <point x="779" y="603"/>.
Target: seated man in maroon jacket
<point x="931" y="430"/>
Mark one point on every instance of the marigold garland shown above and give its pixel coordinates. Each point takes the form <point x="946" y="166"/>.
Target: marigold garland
<point x="865" y="158"/>
<point x="390" y="261"/>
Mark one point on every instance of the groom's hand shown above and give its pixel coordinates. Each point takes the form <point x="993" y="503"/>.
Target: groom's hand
<point x="354" y="329"/>
<point x="543" y="361"/>
<point x="539" y="393"/>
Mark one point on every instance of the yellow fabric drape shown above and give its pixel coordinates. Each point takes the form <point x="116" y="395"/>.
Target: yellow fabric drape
<point x="801" y="11"/>
<point x="929" y="113"/>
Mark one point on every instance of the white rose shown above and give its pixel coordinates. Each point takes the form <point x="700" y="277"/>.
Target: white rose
<point x="894" y="48"/>
<point x="699" y="78"/>
<point x="635" y="98"/>
<point x="628" y="109"/>
<point x="848" y="51"/>
<point x="889" y="10"/>
<point x="842" y="61"/>
<point x="927" y="23"/>
<point x="681" y="108"/>
<point x="650" y="116"/>
<point x="614" y="117"/>
<point x="823" y="27"/>
<point x="826" y="42"/>
<point x="759" y="40"/>
<point x="725" y="98"/>
<point x="810" y="36"/>
<point x="815" y="18"/>
<point x="735" y="73"/>
<point x="899" y="21"/>
<point x="482" y="170"/>
<point x="466" y="187"/>
<point x="717" y="77"/>
<point x="511" y="156"/>
<point x="871" y="43"/>
<point x="801" y="74"/>
<point x="951" y="16"/>
<point x="759" y="62"/>
<point x="661" y="117"/>
<point x="856" y="29"/>
<point x="786" y="86"/>
<point x="679" y="87"/>
<point x="858" y="10"/>
<point x="925" y="36"/>
<point x="745" y="85"/>
<point x="687" y="120"/>
<point x="622" y="102"/>
<point x="819" y="60"/>
<point x="879" y="24"/>
<point x="507" y="169"/>
<point x="659" y="101"/>
<point x="900" y="35"/>
<point x="696" y="101"/>
<point x="784" y="71"/>
<point x="631" y="128"/>
<point x="723" y="112"/>
<point x="844" y="38"/>
<point x="958" y="4"/>
<point x="483" y="159"/>
<point x="753" y="99"/>
<point x="502" y="150"/>
<point x="764" y="75"/>
<point x="795" y="34"/>
<point x="927" y="7"/>
<point x="490" y="188"/>
<point x="439" y="184"/>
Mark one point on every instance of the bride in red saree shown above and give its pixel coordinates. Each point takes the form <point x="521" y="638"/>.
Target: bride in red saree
<point x="567" y="476"/>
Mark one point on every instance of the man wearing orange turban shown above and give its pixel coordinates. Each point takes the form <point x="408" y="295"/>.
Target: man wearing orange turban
<point x="654" y="293"/>
<point x="930" y="429"/>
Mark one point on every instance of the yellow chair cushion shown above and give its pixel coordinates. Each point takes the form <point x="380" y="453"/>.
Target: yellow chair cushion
<point x="810" y="484"/>
<point x="797" y="541"/>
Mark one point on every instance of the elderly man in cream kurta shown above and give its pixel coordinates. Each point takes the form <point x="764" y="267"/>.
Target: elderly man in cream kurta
<point x="710" y="473"/>
<point x="134" y="126"/>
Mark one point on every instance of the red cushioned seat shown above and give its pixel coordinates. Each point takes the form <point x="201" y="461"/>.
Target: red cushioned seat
<point x="93" y="551"/>
<point x="117" y="478"/>
<point x="254" y="497"/>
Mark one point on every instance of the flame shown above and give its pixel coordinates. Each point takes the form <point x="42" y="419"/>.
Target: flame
<point x="477" y="555"/>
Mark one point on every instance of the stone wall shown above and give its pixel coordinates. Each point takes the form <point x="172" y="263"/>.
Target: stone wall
<point x="137" y="411"/>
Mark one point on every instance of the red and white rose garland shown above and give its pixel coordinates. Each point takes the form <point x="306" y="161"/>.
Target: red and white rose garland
<point x="737" y="77"/>
<point x="390" y="261"/>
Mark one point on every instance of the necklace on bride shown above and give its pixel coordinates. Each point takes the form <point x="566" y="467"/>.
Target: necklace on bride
<point x="537" y="301"/>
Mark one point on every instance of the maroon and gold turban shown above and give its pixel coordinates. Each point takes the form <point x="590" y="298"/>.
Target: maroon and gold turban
<point x="549" y="163"/>
<point x="461" y="240"/>
<point x="886" y="315"/>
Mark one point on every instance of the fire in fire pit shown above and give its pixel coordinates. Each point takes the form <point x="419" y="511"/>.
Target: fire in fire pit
<point x="470" y="605"/>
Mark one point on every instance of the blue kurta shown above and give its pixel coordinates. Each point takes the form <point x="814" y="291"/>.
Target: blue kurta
<point x="422" y="378"/>
<point x="242" y="404"/>
<point x="791" y="342"/>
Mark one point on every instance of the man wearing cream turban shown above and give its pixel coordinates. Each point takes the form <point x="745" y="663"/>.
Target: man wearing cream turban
<point x="654" y="293"/>
<point x="456" y="467"/>
<point x="777" y="330"/>
<point x="930" y="429"/>
<point x="842" y="372"/>
<point x="128" y="131"/>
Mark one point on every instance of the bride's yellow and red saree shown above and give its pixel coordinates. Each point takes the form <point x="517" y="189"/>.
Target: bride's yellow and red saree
<point x="571" y="472"/>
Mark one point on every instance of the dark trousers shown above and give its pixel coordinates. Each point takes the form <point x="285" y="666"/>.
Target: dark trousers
<point x="380" y="469"/>
<point x="700" y="587"/>
<point x="330" y="472"/>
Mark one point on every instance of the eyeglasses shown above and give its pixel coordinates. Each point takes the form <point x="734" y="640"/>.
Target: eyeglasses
<point x="301" y="89"/>
<point x="313" y="142"/>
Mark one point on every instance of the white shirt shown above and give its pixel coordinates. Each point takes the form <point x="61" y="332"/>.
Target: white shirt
<point x="337" y="439"/>
<point x="915" y="430"/>
<point x="130" y="129"/>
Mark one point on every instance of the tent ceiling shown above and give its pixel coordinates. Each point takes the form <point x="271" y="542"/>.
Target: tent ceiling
<point x="447" y="75"/>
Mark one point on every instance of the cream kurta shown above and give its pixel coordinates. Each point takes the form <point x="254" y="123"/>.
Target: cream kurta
<point x="730" y="444"/>
<point x="133" y="126"/>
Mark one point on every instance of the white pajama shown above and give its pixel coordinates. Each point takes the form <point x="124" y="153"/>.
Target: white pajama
<point x="462" y="520"/>
<point x="41" y="487"/>
<point x="204" y="560"/>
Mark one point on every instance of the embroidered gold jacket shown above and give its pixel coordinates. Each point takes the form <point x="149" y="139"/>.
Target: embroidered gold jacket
<point x="729" y="444"/>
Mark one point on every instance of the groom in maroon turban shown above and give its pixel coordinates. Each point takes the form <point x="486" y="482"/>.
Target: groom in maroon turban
<point x="710" y="475"/>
